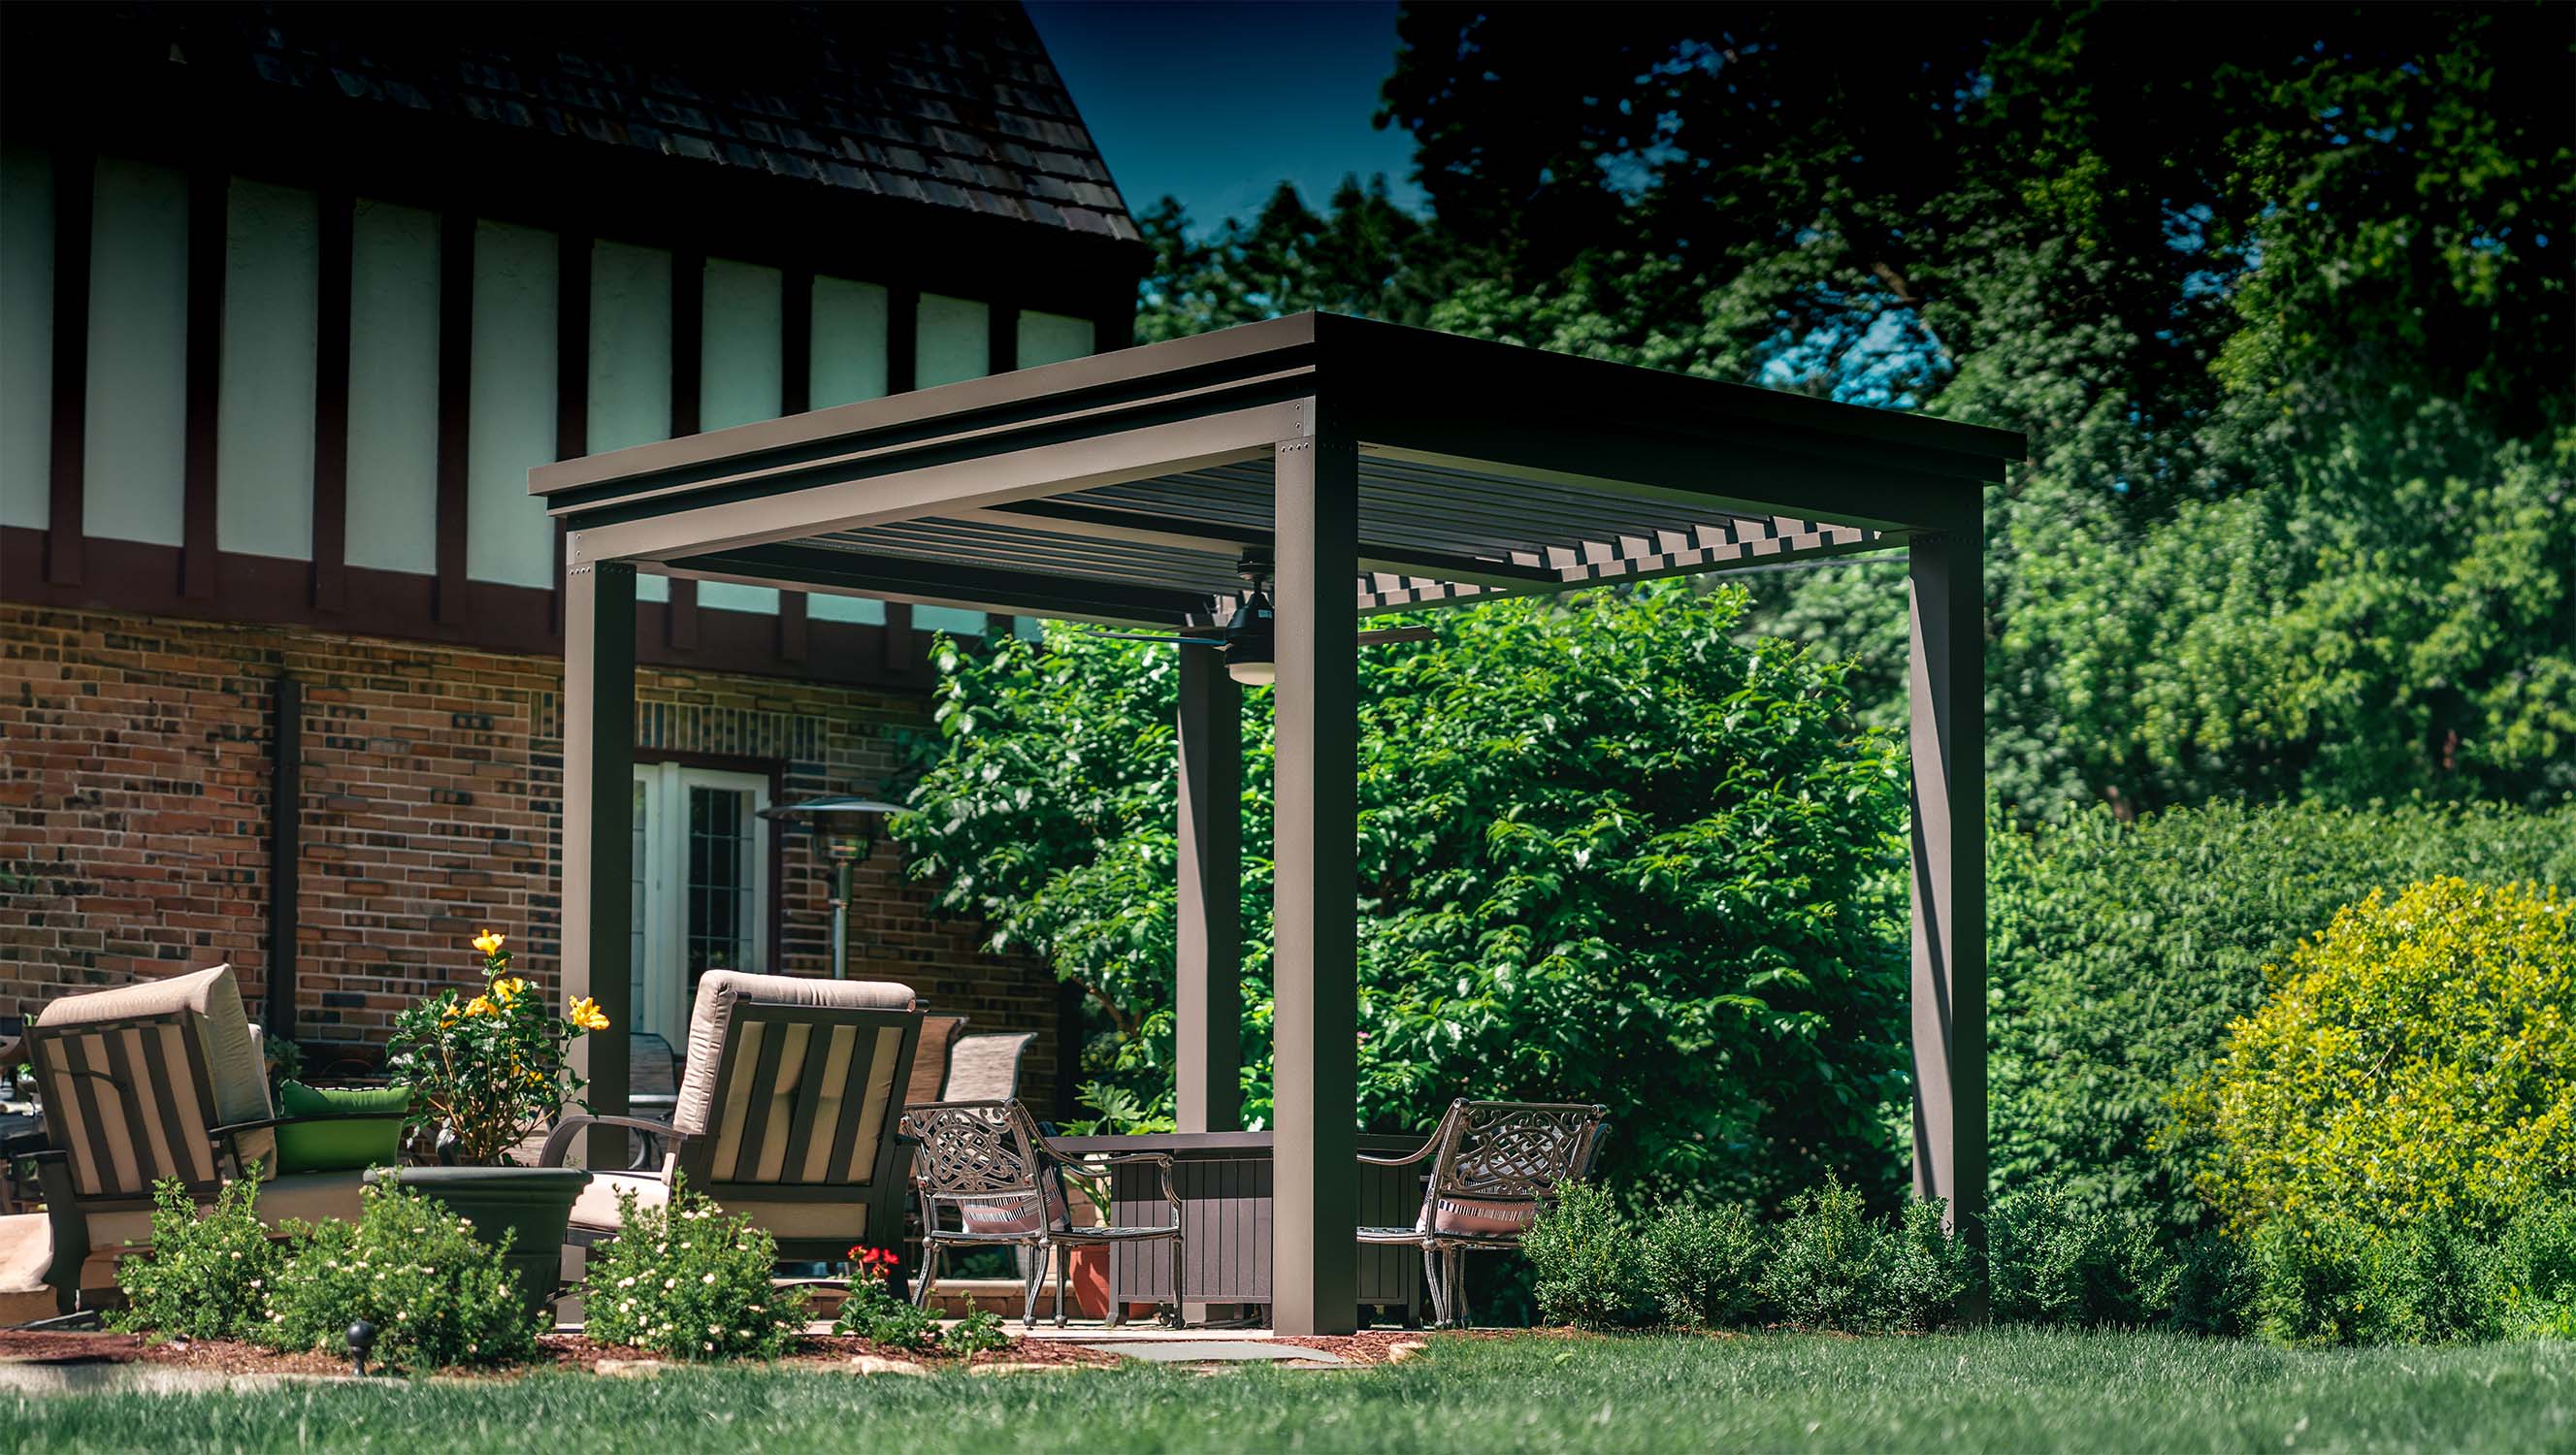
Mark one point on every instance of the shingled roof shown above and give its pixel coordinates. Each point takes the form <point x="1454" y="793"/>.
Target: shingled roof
<point x="955" y="105"/>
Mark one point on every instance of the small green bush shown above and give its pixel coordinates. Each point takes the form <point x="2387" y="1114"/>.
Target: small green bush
<point x="205" y="1276"/>
<point x="1829" y="1261"/>
<point x="2052" y="1258"/>
<point x="1700" y="1263"/>
<point x="2533" y="1276"/>
<point x="2212" y="1288"/>
<point x="872" y="1312"/>
<point x="1929" y="1269"/>
<point x="1584" y="1262"/>
<point x="978" y="1333"/>
<point x="2329" y="1280"/>
<point x="686" y="1281"/>
<point x="2416" y="1062"/>
<point x="436" y="1294"/>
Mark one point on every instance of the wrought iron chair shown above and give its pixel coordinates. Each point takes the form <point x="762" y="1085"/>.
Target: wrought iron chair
<point x="1494" y="1166"/>
<point x="986" y="1177"/>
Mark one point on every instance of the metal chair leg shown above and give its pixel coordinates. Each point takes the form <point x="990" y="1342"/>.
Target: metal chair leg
<point x="1458" y="1288"/>
<point x="1063" y="1284"/>
<point x="1037" y="1276"/>
<point x="930" y="1252"/>
<point x="1431" y="1285"/>
<point x="1180" y="1309"/>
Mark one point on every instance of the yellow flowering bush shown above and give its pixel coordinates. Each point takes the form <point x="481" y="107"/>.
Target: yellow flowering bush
<point x="493" y="1066"/>
<point x="2416" y="1063"/>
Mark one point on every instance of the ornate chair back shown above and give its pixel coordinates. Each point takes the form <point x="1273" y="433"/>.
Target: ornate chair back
<point x="976" y="1168"/>
<point x="1496" y="1163"/>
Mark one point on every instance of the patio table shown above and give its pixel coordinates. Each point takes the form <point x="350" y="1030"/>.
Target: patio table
<point x="1224" y="1181"/>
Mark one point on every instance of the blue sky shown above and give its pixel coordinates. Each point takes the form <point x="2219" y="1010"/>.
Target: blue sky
<point x="1215" y="103"/>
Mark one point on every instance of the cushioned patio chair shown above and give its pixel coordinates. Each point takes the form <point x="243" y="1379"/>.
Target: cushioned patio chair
<point x="1494" y="1166"/>
<point x="786" y="1114"/>
<point x="158" y="1080"/>
<point x="939" y="1035"/>
<point x="987" y="1178"/>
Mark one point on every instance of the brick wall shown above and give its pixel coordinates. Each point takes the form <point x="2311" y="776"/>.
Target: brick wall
<point x="134" y="817"/>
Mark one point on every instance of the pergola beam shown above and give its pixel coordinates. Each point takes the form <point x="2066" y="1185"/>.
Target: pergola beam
<point x="1096" y="523"/>
<point x="900" y="578"/>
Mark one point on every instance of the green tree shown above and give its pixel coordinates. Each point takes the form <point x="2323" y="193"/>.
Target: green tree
<point x="1609" y="851"/>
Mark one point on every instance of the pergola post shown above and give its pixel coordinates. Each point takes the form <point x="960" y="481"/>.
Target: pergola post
<point x="599" y="829"/>
<point x="1946" y="685"/>
<point x="1207" y="967"/>
<point x="1314" y="1267"/>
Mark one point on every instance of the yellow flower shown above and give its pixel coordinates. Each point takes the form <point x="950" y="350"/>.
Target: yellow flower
<point x="490" y="941"/>
<point x="587" y="1015"/>
<point x="507" y="988"/>
<point x="481" y="1005"/>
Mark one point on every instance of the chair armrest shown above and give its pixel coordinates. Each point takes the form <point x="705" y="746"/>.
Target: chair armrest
<point x="1404" y="1161"/>
<point x="235" y="1129"/>
<point x="561" y="1136"/>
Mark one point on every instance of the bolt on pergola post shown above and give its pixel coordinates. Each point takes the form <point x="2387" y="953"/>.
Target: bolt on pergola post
<point x="1409" y="469"/>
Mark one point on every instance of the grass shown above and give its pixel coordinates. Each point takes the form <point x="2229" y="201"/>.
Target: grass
<point x="2016" y="1390"/>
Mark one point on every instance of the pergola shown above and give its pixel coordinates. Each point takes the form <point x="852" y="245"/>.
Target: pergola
<point x="1383" y="469"/>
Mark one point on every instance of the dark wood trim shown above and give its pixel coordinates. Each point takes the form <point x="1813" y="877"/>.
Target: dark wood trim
<point x="455" y="407"/>
<point x="903" y="339"/>
<point x="75" y="180"/>
<point x="795" y="625"/>
<point x="572" y="382"/>
<point x="331" y="401"/>
<point x="899" y="654"/>
<point x="140" y="579"/>
<point x="207" y="194"/>
<point x="1001" y="337"/>
<point x="795" y="340"/>
<point x="285" y="853"/>
<point x="688" y="380"/>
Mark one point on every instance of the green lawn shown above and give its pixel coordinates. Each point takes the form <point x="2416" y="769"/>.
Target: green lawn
<point x="1995" y="1391"/>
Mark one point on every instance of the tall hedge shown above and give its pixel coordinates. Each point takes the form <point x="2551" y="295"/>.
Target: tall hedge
<point x="2120" y="952"/>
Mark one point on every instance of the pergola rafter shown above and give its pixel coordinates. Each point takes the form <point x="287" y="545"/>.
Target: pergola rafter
<point x="1379" y="469"/>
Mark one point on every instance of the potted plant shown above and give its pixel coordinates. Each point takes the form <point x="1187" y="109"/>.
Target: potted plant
<point x="487" y="1070"/>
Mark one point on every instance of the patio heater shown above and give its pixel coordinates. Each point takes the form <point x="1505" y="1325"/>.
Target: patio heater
<point x="848" y="827"/>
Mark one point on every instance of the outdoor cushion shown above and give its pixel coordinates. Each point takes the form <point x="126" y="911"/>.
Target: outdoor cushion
<point x="930" y="1058"/>
<point x="1490" y="1219"/>
<point x="720" y="990"/>
<point x="339" y="1146"/>
<point x="596" y="1209"/>
<point x="986" y="1068"/>
<point x="212" y="998"/>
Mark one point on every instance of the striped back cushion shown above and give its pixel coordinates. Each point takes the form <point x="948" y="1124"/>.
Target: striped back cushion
<point x="803" y="1095"/>
<point x="129" y="1101"/>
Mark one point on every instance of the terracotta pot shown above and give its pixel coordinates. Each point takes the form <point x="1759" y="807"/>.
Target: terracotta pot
<point x="1090" y="1281"/>
<point x="536" y="1202"/>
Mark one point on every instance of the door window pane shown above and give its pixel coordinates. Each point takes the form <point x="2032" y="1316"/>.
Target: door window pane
<point x="719" y="883"/>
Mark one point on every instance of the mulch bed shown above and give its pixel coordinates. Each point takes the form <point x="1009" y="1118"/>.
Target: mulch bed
<point x="554" y="1351"/>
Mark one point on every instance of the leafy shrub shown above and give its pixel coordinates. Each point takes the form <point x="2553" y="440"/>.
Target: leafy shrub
<point x="1597" y="800"/>
<point x="1584" y="1263"/>
<point x="689" y="1282"/>
<point x="2416" y="1063"/>
<point x="2121" y="951"/>
<point x="978" y="1333"/>
<point x="2334" y="1280"/>
<point x="1929" y="1269"/>
<point x="2053" y="1258"/>
<point x="204" y="1276"/>
<point x="2212" y="1288"/>
<point x="436" y="1294"/>
<point x="1829" y="1261"/>
<point x="1699" y="1263"/>
<point x="2533" y="1277"/>
<point x="872" y="1312"/>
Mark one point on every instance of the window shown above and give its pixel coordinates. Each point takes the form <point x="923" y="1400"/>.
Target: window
<point x="701" y="887"/>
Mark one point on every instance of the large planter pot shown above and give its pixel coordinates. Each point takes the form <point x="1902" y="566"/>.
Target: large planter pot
<point x="534" y="1202"/>
<point x="1090" y="1280"/>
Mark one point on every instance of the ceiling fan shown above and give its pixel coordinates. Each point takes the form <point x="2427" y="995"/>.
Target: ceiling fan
<point x="1248" y="634"/>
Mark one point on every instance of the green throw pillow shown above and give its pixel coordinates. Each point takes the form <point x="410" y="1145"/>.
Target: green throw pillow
<point x="340" y="1146"/>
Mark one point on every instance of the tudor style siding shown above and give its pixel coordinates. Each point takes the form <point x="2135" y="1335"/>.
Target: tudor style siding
<point x="135" y="776"/>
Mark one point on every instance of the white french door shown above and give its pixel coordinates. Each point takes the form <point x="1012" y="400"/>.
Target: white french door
<point x="701" y="887"/>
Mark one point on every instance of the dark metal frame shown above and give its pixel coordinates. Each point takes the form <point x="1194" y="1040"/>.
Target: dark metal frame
<point x="988" y="1152"/>
<point x="1387" y="469"/>
<point x="1490" y="1151"/>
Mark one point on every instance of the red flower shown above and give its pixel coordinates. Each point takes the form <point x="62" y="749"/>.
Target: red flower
<point x="877" y="1263"/>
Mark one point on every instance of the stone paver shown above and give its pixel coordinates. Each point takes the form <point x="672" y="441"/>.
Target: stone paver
<point x="1221" y="1351"/>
